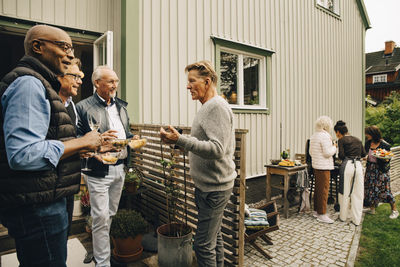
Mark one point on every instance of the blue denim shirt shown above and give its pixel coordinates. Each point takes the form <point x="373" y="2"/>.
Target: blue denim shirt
<point x="26" y="114"/>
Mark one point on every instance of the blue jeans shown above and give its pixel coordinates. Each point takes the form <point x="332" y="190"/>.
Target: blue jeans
<point x="208" y="242"/>
<point x="40" y="233"/>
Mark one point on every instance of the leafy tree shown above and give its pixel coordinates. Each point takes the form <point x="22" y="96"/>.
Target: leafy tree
<point x="387" y="117"/>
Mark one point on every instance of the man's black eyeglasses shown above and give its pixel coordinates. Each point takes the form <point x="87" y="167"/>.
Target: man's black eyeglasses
<point x="76" y="76"/>
<point x="63" y="45"/>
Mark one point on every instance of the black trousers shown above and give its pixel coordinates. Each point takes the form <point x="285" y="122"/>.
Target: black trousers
<point x="70" y="209"/>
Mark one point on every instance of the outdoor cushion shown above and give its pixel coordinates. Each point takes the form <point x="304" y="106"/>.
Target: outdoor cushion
<point x="257" y="219"/>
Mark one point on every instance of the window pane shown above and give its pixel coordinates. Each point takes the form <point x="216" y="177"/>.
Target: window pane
<point x="251" y="81"/>
<point x="229" y="77"/>
<point x="101" y="54"/>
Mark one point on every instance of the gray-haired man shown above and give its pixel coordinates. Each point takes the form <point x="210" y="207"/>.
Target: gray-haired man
<point x="211" y="147"/>
<point x="105" y="182"/>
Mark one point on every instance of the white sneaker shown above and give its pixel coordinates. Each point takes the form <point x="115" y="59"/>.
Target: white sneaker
<point x="324" y="219"/>
<point x="394" y="214"/>
<point x="315" y="214"/>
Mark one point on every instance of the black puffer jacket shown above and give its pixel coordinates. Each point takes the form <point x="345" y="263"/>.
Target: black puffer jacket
<point x="18" y="188"/>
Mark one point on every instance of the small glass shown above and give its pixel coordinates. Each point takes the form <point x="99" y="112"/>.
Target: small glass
<point x="94" y="124"/>
<point x="86" y="158"/>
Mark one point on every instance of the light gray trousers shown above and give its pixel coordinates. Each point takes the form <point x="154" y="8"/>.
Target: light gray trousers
<point x="105" y="194"/>
<point x="208" y="242"/>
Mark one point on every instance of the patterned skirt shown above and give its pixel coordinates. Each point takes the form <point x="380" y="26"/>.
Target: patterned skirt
<point x="376" y="186"/>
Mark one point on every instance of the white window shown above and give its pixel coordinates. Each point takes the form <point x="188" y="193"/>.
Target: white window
<point x="380" y="78"/>
<point x="103" y="50"/>
<point x="331" y="5"/>
<point x="242" y="79"/>
<point x="244" y="73"/>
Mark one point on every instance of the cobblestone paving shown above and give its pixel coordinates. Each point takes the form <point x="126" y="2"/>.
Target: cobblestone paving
<point x="302" y="241"/>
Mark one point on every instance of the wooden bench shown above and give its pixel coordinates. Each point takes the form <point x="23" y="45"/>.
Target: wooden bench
<point x="273" y="220"/>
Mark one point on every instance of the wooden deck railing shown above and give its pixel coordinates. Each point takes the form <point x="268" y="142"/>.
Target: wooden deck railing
<point x="154" y="201"/>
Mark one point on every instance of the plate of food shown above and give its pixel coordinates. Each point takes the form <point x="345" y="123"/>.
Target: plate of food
<point x="382" y="154"/>
<point x="120" y="143"/>
<point x="286" y="163"/>
<point x="137" y="143"/>
<point x="109" y="157"/>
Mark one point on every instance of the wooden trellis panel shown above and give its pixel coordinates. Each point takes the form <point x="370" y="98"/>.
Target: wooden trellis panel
<point x="395" y="164"/>
<point x="154" y="201"/>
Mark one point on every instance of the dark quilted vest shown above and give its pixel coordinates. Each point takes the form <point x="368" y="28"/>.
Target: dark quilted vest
<point x="18" y="188"/>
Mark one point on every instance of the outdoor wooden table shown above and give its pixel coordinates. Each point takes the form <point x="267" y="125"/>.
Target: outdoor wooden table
<point x="285" y="172"/>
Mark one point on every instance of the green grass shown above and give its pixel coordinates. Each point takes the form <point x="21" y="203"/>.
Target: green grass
<point x="380" y="239"/>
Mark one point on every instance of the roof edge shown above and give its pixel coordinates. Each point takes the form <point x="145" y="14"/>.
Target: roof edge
<point x="364" y="14"/>
<point x="380" y="72"/>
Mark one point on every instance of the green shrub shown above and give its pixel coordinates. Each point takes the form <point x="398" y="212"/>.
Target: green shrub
<point x="128" y="223"/>
<point x="387" y="117"/>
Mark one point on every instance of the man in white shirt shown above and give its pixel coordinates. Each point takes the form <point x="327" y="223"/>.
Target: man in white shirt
<point x="105" y="182"/>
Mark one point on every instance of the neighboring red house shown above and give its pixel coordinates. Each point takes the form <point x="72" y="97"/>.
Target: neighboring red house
<point x="382" y="73"/>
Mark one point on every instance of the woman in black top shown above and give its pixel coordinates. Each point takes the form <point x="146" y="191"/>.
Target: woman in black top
<point x="377" y="178"/>
<point x="351" y="189"/>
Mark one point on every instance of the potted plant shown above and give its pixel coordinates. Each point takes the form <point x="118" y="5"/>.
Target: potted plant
<point x="174" y="242"/>
<point x="85" y="202"/>
<point x="133" y="179"/>
<point x="127" y="229"/>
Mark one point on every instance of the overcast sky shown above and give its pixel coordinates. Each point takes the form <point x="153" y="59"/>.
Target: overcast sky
<point x="384" y="16"/>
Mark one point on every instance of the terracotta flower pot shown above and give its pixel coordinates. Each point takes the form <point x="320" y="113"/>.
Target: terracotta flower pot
<point x="127" y="246"/>
<point x="128" y="258"/>
<point x="131" y="187"/>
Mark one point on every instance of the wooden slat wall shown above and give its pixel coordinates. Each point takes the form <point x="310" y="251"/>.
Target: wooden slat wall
<point x="395" y="164"/>
<point x="154" y="199"/>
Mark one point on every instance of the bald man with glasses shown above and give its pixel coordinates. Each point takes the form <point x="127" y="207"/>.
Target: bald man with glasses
<point x="39" y="151"/>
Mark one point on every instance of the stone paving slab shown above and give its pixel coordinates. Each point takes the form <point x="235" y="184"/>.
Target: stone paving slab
<point x="303" y="241"/>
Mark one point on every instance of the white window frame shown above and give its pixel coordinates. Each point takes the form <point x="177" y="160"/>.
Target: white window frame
<point x="240" y="72"/>
<point x="330" y="5"/>
<point x="381" y="78"/>
<point x="106" y="55"/>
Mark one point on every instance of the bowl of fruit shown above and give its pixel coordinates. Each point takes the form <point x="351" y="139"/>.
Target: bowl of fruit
<point x="286" y="163"/>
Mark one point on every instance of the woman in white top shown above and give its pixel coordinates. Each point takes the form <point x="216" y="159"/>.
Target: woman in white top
<point x="321" y="151"/>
